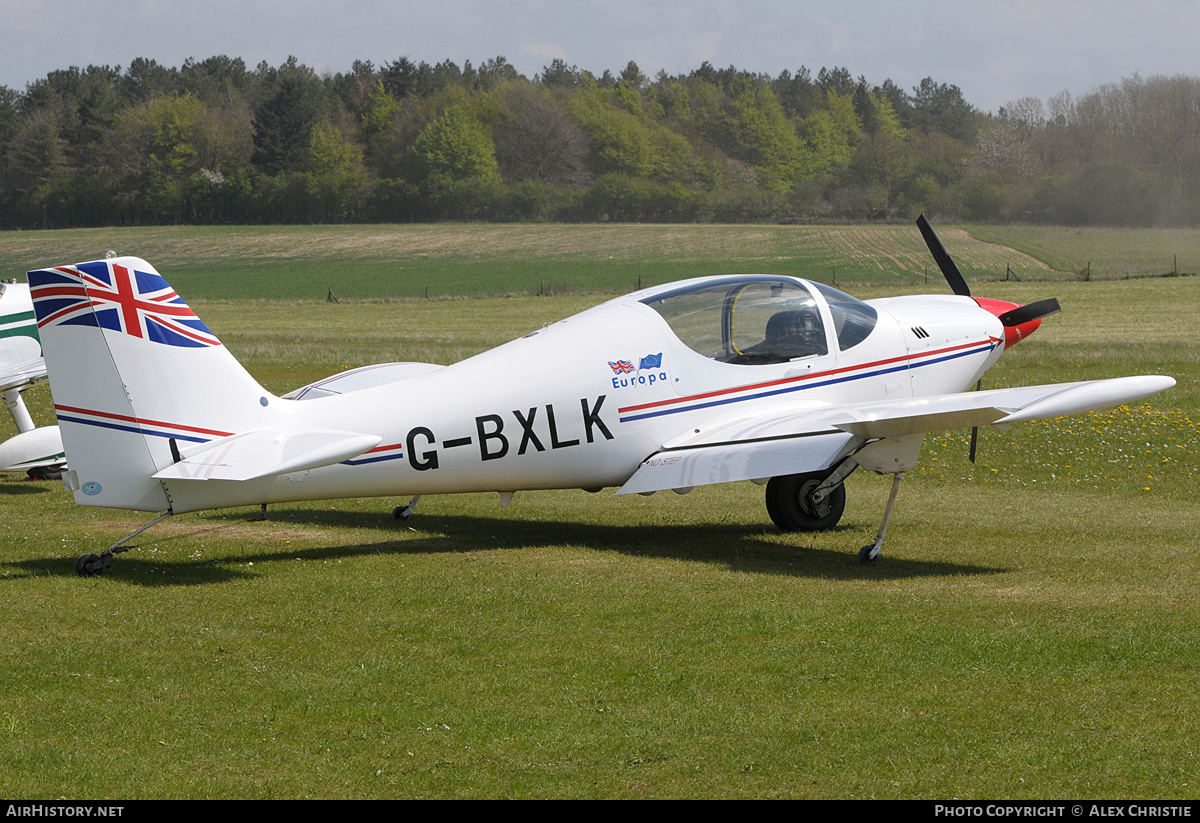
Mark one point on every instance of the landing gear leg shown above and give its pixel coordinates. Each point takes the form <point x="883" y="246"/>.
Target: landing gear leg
<point x="870" y="553"/>
<point x="90" y="565"/>
<point x="404" y="512"/>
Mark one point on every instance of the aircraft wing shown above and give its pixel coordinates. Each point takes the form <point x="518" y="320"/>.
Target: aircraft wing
<point x="781" y="440"/>
<point x="266" y="453"/>
<point x="23" y="375"/>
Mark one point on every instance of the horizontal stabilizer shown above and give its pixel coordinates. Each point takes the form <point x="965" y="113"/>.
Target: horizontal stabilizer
<point x="267" y="453"/>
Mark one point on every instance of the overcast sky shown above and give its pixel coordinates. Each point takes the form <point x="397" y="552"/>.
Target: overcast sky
<point x="995" y="52"/>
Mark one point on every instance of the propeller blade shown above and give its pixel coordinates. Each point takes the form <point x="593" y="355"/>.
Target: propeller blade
<point x="950" y="271"/>
<point x="1030" y="311"/>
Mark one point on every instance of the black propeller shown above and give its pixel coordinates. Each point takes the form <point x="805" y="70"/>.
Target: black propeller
<point x="958" y="284"/>
<point x="1030" y="311"/>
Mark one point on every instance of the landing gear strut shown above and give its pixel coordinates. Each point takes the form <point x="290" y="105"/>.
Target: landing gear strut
<point x="815" y="501"/>
<point x="90" y="565"/>
<point x="870" y="553"/>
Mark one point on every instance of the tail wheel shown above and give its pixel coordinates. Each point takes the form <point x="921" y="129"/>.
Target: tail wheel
<point x="792" y="508"/>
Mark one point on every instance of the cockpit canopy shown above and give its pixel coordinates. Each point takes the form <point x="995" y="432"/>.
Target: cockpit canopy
<point x="758" y="319"/>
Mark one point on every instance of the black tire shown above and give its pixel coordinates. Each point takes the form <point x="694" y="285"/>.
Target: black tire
<point x="46" y="473"/>
<point x="82" y="565"/>
<point x="791" y="509"/>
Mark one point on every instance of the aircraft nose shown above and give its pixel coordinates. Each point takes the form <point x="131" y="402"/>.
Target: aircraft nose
<point x="1013" y="334"/>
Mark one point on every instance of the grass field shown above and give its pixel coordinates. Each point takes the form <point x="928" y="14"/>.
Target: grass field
<point x="1030" y="632"/>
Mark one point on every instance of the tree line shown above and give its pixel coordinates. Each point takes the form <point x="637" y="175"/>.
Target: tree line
<point x="212" y="141"/>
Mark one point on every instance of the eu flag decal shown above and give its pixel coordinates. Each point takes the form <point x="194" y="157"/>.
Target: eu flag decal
<point x="651" y="361"/>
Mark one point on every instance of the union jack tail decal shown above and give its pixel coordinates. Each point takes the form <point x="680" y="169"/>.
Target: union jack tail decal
<point x="120" y="298"/>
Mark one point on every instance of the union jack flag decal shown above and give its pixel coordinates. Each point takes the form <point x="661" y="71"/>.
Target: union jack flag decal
<point x="621" y="366"/>
<point x="119" y="298"/>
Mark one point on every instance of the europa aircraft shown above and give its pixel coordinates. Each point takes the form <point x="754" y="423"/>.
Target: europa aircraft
<point x="35" y="451"/>
<point x="769" y="378"/>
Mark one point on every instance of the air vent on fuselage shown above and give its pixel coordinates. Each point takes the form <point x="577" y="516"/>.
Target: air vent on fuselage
<point x="920" y="332"/>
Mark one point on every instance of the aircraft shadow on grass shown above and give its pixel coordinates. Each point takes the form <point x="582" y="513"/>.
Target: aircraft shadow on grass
<point x="746" y="548"/>
<point x="28" y="486"/>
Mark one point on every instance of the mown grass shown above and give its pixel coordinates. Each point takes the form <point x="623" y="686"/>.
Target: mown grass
<point x="1031" y="631"/>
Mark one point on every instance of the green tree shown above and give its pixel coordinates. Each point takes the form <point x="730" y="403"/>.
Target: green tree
<point x="938" y="107"/>
<point x="283" y="122"/>
<point x="759" y="133"/>
<point x="537" y="139"/>
<point x="456" y="146"/>
<point x="217" y="81"/>
<point x="168" y="152"/>
<point x="37" y="153"/>
<point x="145" y="78"/>
<point x="628" y="143"/>
<point x="331" y="153"/>
<point x="84" y="103"/>
<point x="494" y="72"/>
<point x="832" y="134"/>
<point x="378" y="111"/>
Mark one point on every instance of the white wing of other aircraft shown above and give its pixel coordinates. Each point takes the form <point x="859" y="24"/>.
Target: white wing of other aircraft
<point x="35" y="451"/>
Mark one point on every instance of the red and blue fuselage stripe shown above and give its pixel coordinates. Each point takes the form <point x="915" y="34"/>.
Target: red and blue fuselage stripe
<point x="191" y="434"/>
<point x="773" y="388"/>
<point x="136" y="425"/>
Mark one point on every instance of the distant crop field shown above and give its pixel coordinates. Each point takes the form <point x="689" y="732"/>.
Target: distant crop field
<point x="1105" y="253"/>
<point x="410" y="261"/>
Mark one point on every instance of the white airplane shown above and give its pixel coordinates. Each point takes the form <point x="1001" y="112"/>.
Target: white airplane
<point x="743" y="377"/>
<point x="36" y="451"/>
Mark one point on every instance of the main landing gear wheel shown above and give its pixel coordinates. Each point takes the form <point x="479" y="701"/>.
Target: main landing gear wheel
<point x="793" y="508"/>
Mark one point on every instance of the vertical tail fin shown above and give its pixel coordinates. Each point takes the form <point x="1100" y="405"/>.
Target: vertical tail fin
<point x="134" y="373"/>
